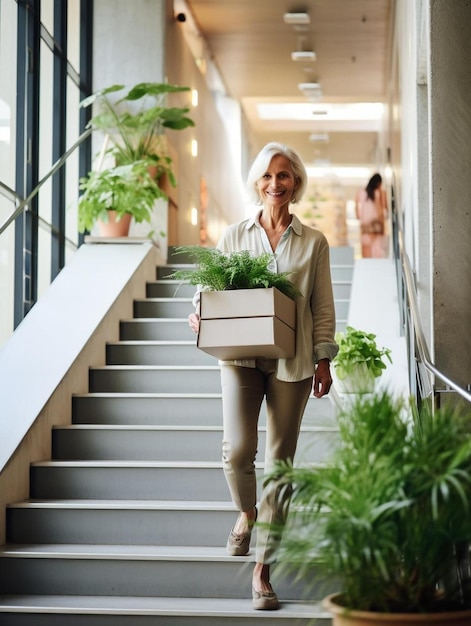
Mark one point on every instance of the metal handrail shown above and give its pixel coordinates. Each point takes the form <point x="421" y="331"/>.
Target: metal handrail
<point x="23" y="205"/>
<point x="419" y="336"/>
<point x="10" y="193"/>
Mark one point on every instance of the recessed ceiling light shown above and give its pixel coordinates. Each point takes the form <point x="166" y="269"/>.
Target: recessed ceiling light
<point x="303" y="55"/>
<point x="319" y="137"/>
<point x="296" y="18"/>
<point x="309" y="86"/>
<point x="311" y="91"/>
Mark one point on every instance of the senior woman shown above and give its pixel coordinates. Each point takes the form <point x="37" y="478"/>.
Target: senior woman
<point x="276" y="179"/>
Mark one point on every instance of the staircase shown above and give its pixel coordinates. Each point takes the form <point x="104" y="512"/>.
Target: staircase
<point x="127" y="523"/>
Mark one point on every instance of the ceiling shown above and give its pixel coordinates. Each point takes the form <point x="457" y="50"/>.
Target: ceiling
<point x="251" y="45"/>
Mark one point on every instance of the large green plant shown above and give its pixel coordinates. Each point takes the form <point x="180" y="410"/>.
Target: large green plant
<point x="124" y="189"/>
<point x="359" y="347"/>
<point x="136" y="121"/>
<point x="219" y="271"/>
<point x="389" y="518"/>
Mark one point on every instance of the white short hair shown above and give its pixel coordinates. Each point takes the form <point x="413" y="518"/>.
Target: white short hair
<point x="262" y="162"/>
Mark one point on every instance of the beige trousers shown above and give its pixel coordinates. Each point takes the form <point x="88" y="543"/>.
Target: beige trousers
<point x="243" y="390"/>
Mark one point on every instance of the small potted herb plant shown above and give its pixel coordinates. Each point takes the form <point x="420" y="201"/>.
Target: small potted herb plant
<point x="359" y="361"/>
<point x="387" y="521"/>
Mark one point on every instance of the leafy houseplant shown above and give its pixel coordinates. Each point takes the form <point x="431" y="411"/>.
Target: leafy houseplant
<point x="389" y="518"/>
<point x="135" y="123"/>
<point x="219" y="271"/>
<point x="359" y="360"/>
<point x="126" y="189"/>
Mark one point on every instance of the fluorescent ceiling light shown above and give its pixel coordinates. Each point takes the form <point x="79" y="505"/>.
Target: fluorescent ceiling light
<point x="303" y="56"/>
<point x="296" y="18"/>
<point x="304" y="111"/>
<point x="356" y="173"/>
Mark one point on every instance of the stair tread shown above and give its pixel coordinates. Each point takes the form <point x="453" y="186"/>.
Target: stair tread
<point x="158" y="368"/>
<point x="134" y="394"/>
<point x="171" y="505"/>
<point x="135" y="464"/>
<point x="129" y="605"/>
<point x="152" y="342"/>
<point x="175" y="428"/>
<point x="122" y="551"/>
<point x="163" y="299"/>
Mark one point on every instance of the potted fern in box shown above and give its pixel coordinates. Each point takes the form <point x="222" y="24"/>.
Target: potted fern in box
<point x="387" y="522"/>
<point x="359" y="361"/>
<point x="246" y="310"/>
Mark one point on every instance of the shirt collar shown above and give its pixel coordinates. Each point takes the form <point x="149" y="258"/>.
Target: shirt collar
<point x="296" y="225"/>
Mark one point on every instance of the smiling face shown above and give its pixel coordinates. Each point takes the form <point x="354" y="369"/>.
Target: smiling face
<point x="278" y="185"/>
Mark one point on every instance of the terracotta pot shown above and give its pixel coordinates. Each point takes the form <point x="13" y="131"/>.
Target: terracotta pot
<point x="344" y="617"/>
<point x="114" y="228"/>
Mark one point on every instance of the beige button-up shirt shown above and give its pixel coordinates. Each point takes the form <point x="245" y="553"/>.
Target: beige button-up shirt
<point x="303" y="251"/>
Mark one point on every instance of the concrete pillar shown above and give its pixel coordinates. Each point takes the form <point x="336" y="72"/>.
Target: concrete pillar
<point x="450" y="185"/>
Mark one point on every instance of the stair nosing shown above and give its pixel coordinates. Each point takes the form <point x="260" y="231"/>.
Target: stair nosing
<point x="156" y="605"/>
<point x="106" y="505"/>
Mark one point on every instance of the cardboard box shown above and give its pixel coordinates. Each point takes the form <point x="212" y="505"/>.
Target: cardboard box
<point x="247" y="323"/>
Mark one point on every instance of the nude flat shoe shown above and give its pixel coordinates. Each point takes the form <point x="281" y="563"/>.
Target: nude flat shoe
<point x="238" y="544"/>
<point x="265" y="600"/>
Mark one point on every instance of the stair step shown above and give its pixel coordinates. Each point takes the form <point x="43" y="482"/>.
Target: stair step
<point x="163" y="307"/>
<point x="152" y="408"/>
<point x="140" y="522"/>
<point x="157" y="353"/>
<point x="151" y="329"/>
<point x="141" y="480"/>
<point x="155" y="379"/>
<point x="150" y="610"/>
<point x="167" y="443"/>
<point x="170" y="289"/>
<point x="136" y="570"/>
<point x="164" y="271"/>
<point x="341" y="273"/>
<point x="341" y="308"/>
<point x="174" y="409"/>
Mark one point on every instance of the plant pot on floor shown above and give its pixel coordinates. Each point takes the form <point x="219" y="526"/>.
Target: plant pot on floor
<point x="347" y="617"/>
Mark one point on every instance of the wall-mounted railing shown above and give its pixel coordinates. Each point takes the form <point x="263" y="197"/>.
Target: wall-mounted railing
<point x="423" y="373"/>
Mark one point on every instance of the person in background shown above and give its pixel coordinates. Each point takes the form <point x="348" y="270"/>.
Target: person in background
<point x="276" y="179"/>
<point x="372" y="210"/>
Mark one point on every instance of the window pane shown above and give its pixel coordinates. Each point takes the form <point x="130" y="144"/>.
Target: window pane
<point x="72" y="182"/>
<point x="8" y="44"/>
<point x="45" y="163"/>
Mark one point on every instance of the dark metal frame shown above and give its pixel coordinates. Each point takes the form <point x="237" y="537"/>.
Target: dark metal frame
<point x="30" y="34"/>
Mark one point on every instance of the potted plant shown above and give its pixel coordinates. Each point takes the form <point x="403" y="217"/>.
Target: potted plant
<point x="135" y="123"/>
<point x="115" y="195"/>
<point x="219" y="271"/>
<point x="359" y="361"/>
<point x="388" y="519"/>
<point x="246" y="310"/>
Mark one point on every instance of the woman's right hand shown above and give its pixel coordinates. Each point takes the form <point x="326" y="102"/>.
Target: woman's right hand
<point x="194" y="322"/>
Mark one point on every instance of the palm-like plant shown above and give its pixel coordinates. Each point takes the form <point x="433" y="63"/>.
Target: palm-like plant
<point x="389" y="518"/>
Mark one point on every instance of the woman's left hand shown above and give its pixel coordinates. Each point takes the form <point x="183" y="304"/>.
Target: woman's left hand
<point x="322" y="379"/>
